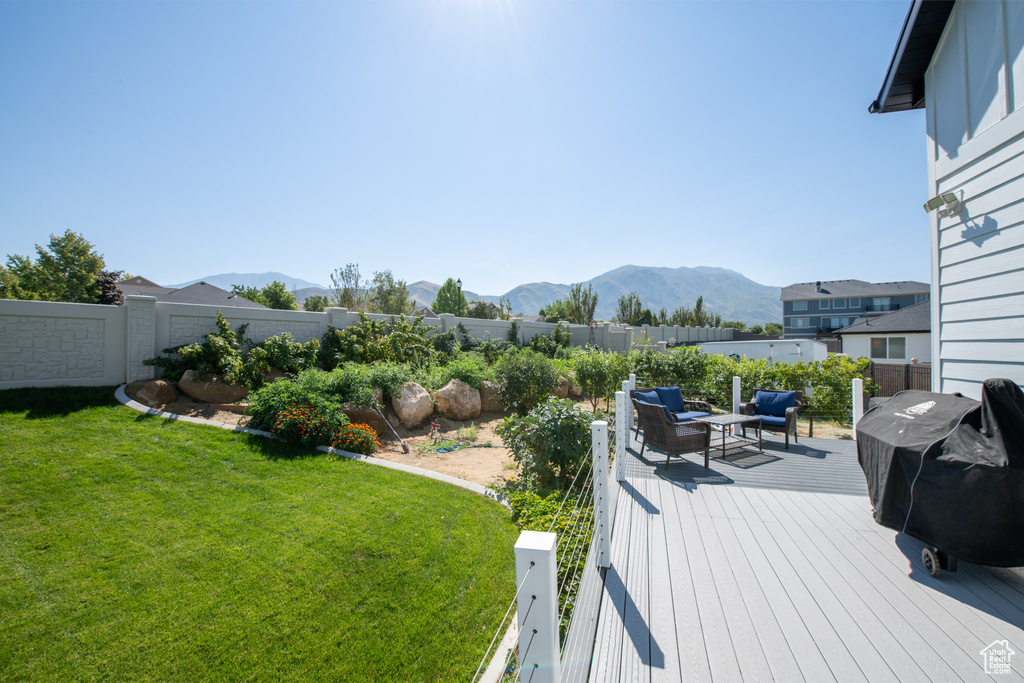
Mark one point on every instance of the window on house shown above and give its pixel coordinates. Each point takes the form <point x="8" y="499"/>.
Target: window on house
<point x="854" y="302"/>
<point x="880" y="303"/>
<point x="921" y="298"/>
<point x="799" y="305"/>
<point x="823" y="305"/>
<point x="799" y="322"/>
<point x="838" y="303"/>
<point x="893" y="348"/>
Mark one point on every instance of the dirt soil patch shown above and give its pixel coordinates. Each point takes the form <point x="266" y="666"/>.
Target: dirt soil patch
<point x="482" y="465"/>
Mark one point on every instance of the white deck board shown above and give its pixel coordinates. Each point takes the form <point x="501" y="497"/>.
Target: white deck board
<point x="736" y="581"/>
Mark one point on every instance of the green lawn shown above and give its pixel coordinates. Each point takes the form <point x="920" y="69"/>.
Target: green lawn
<point x="136" y="548"/>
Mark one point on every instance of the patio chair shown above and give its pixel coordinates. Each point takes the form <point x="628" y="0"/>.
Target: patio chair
<point x="777" y="410"/>
<point x="677" y="408"/>
<point x="675" y="438"/>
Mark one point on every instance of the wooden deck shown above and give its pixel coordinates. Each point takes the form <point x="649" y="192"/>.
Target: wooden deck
<point x="772" y="568"/>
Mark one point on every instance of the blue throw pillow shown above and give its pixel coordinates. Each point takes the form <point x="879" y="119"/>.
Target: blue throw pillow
<point x="658" y="405"/>
<point x="774" y="402"/>
<point x="647" y="397"/>
<point x="671" y="397"/>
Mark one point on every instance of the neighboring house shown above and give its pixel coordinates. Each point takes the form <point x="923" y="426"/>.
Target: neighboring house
<point x="964" y="63"/>
<point x="895" y="337"/>
<point x="198" y="293"/>
<point x="813" y="310"/>
<point x="425" y="311"/>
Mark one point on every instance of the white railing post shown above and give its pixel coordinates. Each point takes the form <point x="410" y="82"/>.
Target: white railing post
<point x="602" y="494"/>
<point x="735" y="394"/>
<point x="621" y="435"/>
<point x="632" y="387"/>
<point x="858" y="403"/>
<point x="537" y="606"/>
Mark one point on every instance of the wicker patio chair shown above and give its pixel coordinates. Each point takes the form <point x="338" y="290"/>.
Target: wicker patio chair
<point x="776" y="423"/>
<point x="691" y="405"/>
<point x="675" y="438"/>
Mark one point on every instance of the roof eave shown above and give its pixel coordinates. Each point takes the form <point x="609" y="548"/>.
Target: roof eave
<point x="903" y="87"/>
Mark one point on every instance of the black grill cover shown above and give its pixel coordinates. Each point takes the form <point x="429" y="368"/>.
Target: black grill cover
<point x="949" y="470"/>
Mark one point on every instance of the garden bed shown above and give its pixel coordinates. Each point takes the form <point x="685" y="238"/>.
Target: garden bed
<point x="484" y="466"/>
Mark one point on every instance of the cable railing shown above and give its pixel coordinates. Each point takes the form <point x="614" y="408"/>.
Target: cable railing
<point x="578" y="531"/>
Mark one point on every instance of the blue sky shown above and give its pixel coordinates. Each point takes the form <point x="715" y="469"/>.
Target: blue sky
<point x="497" y="141"/>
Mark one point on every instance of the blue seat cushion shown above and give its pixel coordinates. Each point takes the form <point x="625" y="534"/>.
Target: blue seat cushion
<point x="773" y="420"/>
<point x="774" y="402"/>
<point x="649" y="403"/>
<point x="647" y="397"/>
<point x="671" y="397"/>
<point x="689" y="415"/>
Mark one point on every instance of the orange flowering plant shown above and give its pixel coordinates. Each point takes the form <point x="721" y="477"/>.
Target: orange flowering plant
<point x="308" y="426"/>
<point x="356" y="438"/>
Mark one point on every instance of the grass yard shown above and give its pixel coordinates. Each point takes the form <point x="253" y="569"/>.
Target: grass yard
<point x="136" y="548"/>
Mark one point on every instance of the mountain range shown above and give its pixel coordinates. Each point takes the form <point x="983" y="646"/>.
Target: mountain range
<point x="725" y="291"/>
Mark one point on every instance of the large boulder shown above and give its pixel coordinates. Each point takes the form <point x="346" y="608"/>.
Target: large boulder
<point x="157" y="393"/>
<point x="457" y="400"/>
<point x="575" y="390"/>
<point x="412" y="404"/>
<point x="367" y="416"/>
<point x="489" y="402"/>
<point x="563" y="388"/>
<point x="211" y="388"/>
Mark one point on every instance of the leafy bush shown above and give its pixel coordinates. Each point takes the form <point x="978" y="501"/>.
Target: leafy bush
<point x="319" y="390"/>
<point x="388" y="376"/>
<point x="398" y="339"/>
<point x="593" y="370"/>
<point x="219" y="354"/>
<point x="550" y="442"/>
<point x="512" y="336"/>
<point x="356" y="438"/>
<point x="524" y="378"/>
<point x="280" y="351"/>
<point x="471" y="368"/>
<point x="308" y="426"/>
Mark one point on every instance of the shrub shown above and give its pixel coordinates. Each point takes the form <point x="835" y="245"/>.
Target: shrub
<point x="319" y="390"/>
<point x="397" y="339"/>
<point x="550" y="442"/>
<point x="284" y="353"/>
<point x="524" y="378"/>
<point x="471" y="368"/>
<point x="356" y="438"/>
<point x="308" y="426"/>
<point x="219" y="354"/>
<point x="593" y="371"/>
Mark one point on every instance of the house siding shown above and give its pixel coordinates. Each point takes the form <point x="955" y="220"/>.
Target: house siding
<point x="975" y="94"/>
<point x="918" y="346"/>
<point x="816" y="313"/>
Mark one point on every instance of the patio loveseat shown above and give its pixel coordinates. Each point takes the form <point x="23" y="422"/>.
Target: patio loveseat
<point x="777" y="410"/>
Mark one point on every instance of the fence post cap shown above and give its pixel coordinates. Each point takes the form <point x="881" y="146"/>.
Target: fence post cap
<point x="536" y="540"/>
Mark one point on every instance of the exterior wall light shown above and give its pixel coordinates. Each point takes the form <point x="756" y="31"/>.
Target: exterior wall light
<point x="949" y="200"/>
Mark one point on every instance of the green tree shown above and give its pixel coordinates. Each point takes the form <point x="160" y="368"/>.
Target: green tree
<point x="450" y="299"/>
<point x="773" y="329"/>
<point x="756" y="329"/>
<point x="67" y="269"/>
<point x="275" y="295"/>
<point x="630" y="309"/>
<point x="698" y="316"/>
<point x="555" y="311"/>
<point x="388" y="295"/>
<point x="110" y="293"/>
<point x="582" y="304"/>
<point x="737" y="324"/>
<point x="347" y="289"/>
<point x="317" y="303"/>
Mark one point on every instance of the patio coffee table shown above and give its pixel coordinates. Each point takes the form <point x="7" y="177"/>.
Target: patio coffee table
<point x="729" y="439"/>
